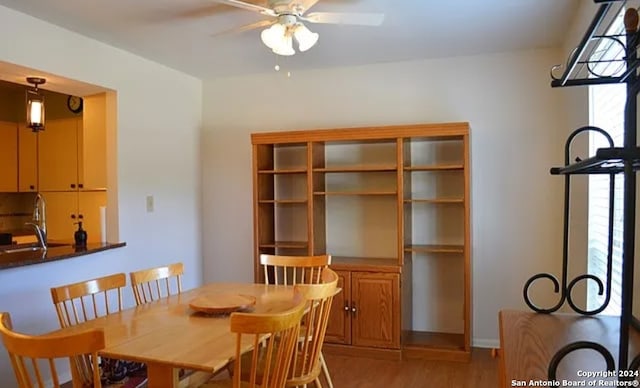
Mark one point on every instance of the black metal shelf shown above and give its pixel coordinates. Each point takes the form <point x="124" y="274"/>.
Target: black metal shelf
<point x="606" y="161"/>
<point x="586" y="64"/>
<point x="607" y="54"/>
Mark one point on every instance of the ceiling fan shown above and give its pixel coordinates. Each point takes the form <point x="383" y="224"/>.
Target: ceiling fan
<point x="285" y="23"/>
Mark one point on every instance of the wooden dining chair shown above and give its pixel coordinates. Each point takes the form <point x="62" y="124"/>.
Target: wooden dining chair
<point x="292" y="270"/>
<point x="90" y="299"/>
<point x="155" y="283"/>
<point x="308" y="360"/>
<point x="79" y="302"/>
<point x="306" y="366"/>
<point x="269" y="364"/>
<point x="27" y="353"/>
<point x="297" y="270"/>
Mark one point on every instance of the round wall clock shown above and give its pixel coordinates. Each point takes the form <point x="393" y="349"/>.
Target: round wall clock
<point x="74" y="103"/>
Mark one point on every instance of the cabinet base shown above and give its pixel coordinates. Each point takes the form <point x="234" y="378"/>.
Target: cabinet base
<point x="355" y="351"/>
<point x="413" y="352"/>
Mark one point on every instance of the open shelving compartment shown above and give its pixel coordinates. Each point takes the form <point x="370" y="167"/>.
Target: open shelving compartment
<point x="435" y="193"/>
<point x="590" y="64"/>
<point x="355" y="185"/>
<point x="282" y="199"/>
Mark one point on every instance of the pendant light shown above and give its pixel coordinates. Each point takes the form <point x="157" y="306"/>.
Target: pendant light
<point x="35" y="105"/>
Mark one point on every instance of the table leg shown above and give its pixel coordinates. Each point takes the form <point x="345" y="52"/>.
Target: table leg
<point x="161" y="375"/>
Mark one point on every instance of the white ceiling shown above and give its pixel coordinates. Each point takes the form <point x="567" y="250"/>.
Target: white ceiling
<point x="180" y="33"/>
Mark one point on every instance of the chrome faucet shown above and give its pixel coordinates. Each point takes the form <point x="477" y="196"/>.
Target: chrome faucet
<point x="42" y="239"/>
<point x="40" y="220"/>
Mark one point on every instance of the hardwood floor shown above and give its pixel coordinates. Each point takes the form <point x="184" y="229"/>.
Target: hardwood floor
<point x="355" y="372"/>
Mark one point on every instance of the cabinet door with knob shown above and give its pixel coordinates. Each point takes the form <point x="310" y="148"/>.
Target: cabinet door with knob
<point x="65" y="209"/>
<point x="27" y="159"/>
<point x="339" y="326"/>
<point x="89" y="203"/>
<point x="375" y="307"/>
<point x="58" y="155"/>
<point x="92" y="140"/>
<point x="8" y="157"/>
<point x="367" y="311"/>
<point x="61" y="214"/>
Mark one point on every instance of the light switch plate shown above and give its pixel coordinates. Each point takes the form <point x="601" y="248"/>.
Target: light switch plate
<point x="149" y="203"/>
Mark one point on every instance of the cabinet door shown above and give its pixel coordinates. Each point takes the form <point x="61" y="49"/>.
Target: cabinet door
<point x="92" y="143"/>
<point x="376" y="299"/>
<point x="339" y="326"/>
<point x="58" y="155"/>
<point x="8" y="157"/>
<point x="89" y="204"/>
<point x="61" y="213"/>
<point x="27" y="159"/>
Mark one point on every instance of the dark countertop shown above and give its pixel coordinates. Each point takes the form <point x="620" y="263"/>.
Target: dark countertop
<point x="19" y="259"/>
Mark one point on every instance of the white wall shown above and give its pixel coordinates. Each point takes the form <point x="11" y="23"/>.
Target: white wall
<point x="159" y="119"/>
<point x="514" y="117"/>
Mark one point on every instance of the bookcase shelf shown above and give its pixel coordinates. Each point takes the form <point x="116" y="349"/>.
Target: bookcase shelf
<point x="435" y="200"/>
<point x="347" y="190"/>
<point x="284" y="171"/>
<point x="282" y="201"/>
<point x="363" y="168"/>
<point x="434" y="248"/>
<point x="285" y="244"/>
<point x="355" y="193"/>
<point x="436" y="167"/>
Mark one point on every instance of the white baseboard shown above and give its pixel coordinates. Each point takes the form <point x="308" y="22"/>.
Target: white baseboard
<point x="486" y="343"/>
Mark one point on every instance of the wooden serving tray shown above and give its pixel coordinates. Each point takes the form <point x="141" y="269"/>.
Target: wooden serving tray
<point x="222" y="303"/>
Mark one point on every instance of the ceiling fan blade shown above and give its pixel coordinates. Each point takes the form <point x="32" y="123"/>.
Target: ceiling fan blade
<point x="248" y="6"/>
<point x="358" y="19"/>
<point x="246" y="27"/>
<point x="304" y="5"/>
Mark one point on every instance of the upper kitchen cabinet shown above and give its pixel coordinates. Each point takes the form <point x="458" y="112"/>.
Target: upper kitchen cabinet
<point x="58" y="155"/>
<point x="72" y="151"/>
<point x="92" y="139"/>
<point x="27" y="159"/>
<point x="8" y="157"/>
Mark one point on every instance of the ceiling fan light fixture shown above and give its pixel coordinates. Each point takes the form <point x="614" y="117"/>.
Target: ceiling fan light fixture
<point x="285" y="47"/>
<point x="306" y="39"/>
<point x="272" y="37"/>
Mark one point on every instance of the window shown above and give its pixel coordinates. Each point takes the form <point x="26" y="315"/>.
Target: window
<point x="606" y="111"/>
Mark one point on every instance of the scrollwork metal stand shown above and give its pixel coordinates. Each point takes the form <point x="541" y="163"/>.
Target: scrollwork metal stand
<point x="565" y="287"/>
<point x="610" y="161"/>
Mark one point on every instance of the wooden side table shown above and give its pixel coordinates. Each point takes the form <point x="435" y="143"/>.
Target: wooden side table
<point x="529" y="341"/>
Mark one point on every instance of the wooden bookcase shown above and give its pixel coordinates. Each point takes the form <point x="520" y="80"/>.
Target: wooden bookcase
<point x="391" y="205"/>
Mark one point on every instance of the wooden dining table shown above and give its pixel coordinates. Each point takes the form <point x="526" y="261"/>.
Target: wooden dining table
<point x="167" y="335"/>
